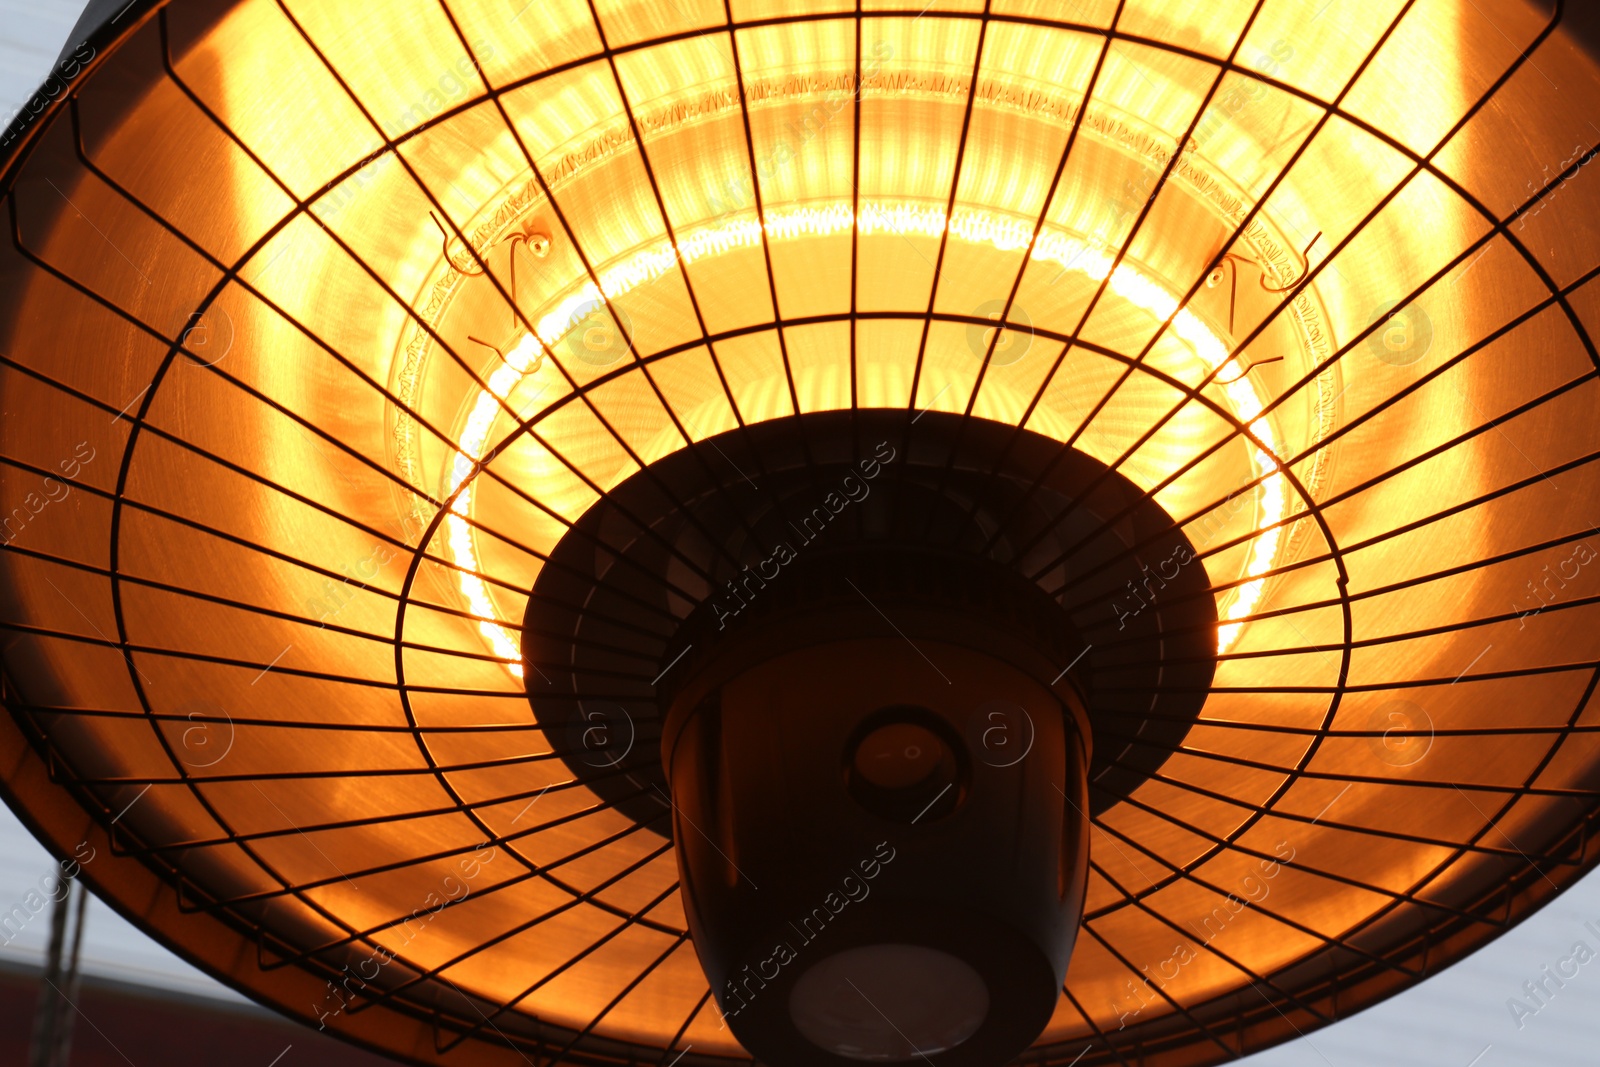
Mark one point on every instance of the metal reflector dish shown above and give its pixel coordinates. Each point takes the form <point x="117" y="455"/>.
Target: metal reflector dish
<point x="367" y="367"/>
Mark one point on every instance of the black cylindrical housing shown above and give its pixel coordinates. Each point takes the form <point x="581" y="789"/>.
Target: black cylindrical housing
<point x="953" y="905"/>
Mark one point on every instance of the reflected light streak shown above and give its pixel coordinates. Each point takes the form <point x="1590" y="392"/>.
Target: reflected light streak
<point x="1068" y="251"/>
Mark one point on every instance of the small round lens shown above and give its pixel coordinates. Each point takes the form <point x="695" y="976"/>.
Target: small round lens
<point x="905" y="767"/>
<point x="899" y="755"/>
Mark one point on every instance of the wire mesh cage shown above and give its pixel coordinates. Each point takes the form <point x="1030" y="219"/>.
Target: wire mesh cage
<point x="387" y="388"/>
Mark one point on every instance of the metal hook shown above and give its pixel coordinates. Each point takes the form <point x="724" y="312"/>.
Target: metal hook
<point x="1305" y="268"/>
<point x="491" y="348"/>
<point x="445" y="244"/>
<point x="1231" y="261"/>
<point x="1247" y="370"/>
<point x="536" y="242"/>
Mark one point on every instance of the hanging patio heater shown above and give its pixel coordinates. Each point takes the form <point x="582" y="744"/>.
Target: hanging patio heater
<point x="814" y="532"/>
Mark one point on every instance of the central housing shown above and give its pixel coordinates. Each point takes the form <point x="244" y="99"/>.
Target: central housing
<point x="873" y="732"/>
<point x="880" y="808"/>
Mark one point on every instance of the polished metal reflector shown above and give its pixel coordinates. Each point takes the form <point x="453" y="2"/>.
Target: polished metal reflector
<point x="398" y="397"/>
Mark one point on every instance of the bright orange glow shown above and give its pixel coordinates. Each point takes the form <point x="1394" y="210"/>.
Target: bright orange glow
<point x="330" y="531"/>
<point x="975" y="226"/>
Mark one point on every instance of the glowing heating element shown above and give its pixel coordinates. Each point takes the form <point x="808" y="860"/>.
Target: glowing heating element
<point x="979" y="227"/>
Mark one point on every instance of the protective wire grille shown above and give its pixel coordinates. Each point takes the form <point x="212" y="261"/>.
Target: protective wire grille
<point x="387" y="819"/>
